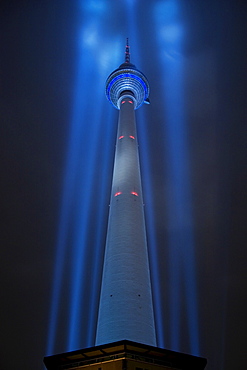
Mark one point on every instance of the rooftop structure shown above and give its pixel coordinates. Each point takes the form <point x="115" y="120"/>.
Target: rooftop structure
<point x="124" y="355"/>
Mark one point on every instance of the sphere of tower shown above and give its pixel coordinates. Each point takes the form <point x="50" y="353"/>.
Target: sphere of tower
<point x="127" y="80"/>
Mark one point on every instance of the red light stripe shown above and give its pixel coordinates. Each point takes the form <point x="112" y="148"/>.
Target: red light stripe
<point x="134" y="193"/>
<point x="132" y="137"/>
<point x="118" y="193"/>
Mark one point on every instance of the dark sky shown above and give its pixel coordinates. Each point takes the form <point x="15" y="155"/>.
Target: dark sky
<point x="38" y="59"/>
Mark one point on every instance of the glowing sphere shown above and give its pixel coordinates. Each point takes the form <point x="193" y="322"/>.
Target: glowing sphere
<point x="127" y="80"/>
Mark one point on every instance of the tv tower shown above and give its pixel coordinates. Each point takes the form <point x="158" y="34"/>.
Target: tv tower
<point x="126" y="308"/>
<point x="126" y="337"/>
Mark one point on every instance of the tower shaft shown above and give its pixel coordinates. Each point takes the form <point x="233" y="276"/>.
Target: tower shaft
<point x="126" y="310"/>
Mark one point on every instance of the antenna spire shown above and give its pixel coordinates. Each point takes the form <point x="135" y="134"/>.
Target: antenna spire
<point x="127" y="52"/>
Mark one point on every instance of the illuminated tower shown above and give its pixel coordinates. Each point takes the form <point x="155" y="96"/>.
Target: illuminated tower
<point x="125" y="338"/>
<point x="126" y="309"/>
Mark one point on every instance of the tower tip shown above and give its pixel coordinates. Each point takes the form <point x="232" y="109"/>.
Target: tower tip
<point x="127" y="51"/>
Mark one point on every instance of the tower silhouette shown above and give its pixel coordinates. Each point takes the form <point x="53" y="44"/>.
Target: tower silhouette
<point x="126" y="309"/>
<point x="126" y="337"/>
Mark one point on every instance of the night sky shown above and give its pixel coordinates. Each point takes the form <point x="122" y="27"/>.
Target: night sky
<point x="57" y="138"/>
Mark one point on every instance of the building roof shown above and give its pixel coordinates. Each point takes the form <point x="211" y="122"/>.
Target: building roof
<point x="125" y="349"/>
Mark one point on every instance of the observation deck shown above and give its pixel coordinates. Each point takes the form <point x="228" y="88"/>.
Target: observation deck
<point x="127" y="80"/>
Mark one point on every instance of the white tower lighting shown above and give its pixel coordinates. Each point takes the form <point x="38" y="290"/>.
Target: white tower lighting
<point x="126" y="307"/>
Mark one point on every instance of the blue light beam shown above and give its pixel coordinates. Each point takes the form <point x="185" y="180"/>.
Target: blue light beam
<point x="180" y="209"/>
<point x="87" y="40"/>
<point x="67" y="191"/>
